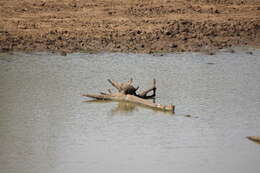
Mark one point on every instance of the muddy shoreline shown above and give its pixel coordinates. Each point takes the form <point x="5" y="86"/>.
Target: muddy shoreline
<point x="138" y="26"/>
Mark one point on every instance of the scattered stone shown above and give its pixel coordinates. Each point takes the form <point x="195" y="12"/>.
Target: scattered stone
<point x="173" y="45"/>
<point x="232" y="51"/>
<point x="139" y="32"/>
<point x="63" y="53"/>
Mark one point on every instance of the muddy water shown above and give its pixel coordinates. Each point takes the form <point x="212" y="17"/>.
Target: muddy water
<point x="46" y="127"/>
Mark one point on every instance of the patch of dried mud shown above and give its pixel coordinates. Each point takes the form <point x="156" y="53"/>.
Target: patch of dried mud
<point x="128" y="26"/>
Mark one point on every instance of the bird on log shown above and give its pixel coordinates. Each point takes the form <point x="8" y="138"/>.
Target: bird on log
<point x="127" y="92"/>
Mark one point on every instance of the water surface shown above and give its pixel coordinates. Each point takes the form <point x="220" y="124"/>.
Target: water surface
<point x="45" y="125"/>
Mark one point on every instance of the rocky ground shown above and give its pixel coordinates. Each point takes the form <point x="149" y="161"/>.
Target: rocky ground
<point x="146" y="26"/>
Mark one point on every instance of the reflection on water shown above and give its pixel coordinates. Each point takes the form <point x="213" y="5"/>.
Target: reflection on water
<point x="124" y="107"/>
<point x="121" y="107"/>
<point x="46" y="126"/>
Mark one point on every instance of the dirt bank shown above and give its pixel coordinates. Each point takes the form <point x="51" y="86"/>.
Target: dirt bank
<point x="128" y="25"/>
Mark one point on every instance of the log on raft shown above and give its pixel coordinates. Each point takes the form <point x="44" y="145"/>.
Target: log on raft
<point x="127" y="92"/>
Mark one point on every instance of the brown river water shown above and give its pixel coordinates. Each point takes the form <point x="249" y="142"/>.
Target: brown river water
<point x="46" y="127"/>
